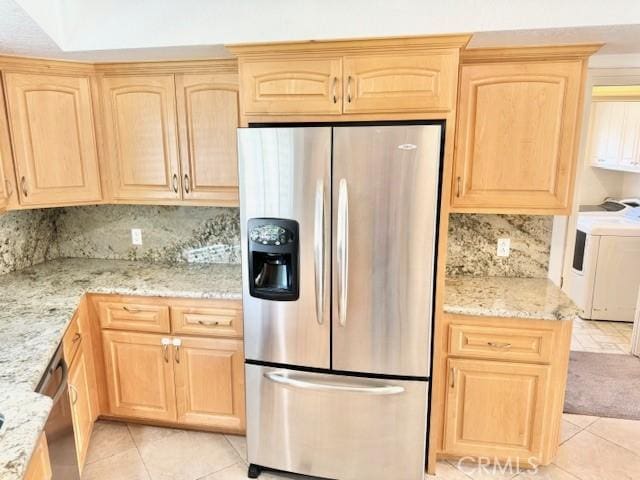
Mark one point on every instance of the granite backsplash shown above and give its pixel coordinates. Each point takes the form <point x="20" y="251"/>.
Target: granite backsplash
<point x="26" y="238"/>
<point x="169" y="234"/>
<point x="473" y="242"/>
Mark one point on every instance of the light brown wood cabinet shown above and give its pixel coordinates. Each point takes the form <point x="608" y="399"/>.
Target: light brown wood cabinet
<point x="209" y="379"/>
<point x="174" y="377"/>
<point x="54" y="145"/>
<point x="294" y="86"/>
<point x="495" y="409"/>
<point x="517" y="135"/>
<point x="392" y="76"/>
<point x="139" y="374"/>
<point x="39" y="466"/>
<point x="400" y="83"/>
<point x="142" y="137"/>
<point x="504" y="389"/>
<point x="7" y="178"/>
<point x="80" y="395"/>
<point x="208" y="117"/>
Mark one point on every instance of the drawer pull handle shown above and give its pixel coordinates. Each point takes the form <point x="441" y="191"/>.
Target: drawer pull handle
<point x="23" y="185"/>
<point x="215" y="323"/>
<point x="453" y="377"/>
<point x="333" y="90"/>
<point x="504" y="346"/>
<point x="77" y="337"/>
<point x="131" y="310"/>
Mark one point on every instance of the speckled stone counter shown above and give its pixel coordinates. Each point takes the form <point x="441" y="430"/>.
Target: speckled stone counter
<point x="36" y="305"/>
<point x="534" y="298"/>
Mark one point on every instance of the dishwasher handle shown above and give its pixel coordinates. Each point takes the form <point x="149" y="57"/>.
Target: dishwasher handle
<point x="58" y="363"/>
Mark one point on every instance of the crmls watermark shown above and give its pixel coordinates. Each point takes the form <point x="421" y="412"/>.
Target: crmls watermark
<point x="492" y="466"/>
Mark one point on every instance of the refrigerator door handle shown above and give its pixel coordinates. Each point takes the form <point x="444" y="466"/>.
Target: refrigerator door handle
<point x="318" y="247"/>
<point x="281" y="378"/>
<point x="343" y="251"/>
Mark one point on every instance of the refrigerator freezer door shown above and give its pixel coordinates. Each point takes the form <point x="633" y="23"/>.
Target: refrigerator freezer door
<point x="385" y="183"/>
<point x="340" y="427"/>
<point x="285" y="173"/>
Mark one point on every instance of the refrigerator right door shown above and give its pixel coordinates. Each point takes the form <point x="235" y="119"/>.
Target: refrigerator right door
<point x="385" y="201"/>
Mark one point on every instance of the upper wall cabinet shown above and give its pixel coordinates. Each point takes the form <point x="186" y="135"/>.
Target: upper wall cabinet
<point x="400" y="83"/>
<point x="208" y="118"/>
<point x="386" y="76"/>
<point x="7" y="178"/>
<point x="614" y="135"/>
<point x="295" y="86"/>
<point x="54" y="143"/>
<point x="517" y="137"/>
<point x="142" y="138"/>
<point x="171" y="132"/>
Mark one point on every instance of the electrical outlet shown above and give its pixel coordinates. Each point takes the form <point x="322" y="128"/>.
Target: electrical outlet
<point x="504" y="247"/>
<point x="136" y="236"/>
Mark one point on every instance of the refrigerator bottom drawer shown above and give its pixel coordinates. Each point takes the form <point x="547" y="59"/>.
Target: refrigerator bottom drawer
<point x="334" y="426"/>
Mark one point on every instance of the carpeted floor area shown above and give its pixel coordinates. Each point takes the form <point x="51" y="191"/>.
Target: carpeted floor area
<point x="603" y="385"/>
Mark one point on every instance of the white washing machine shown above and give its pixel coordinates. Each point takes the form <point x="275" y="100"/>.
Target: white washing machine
<point x="606" y="266"/>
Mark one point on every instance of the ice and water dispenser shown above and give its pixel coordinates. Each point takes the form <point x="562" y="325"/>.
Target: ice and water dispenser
<point x="273" y="258"/>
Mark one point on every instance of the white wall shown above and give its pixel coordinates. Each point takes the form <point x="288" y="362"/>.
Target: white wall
<point x="99" y="24"/>
<point x="631" y="185"/>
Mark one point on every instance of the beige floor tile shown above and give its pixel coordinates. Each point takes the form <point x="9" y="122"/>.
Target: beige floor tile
<point x="549" y="472"/>
<point x="108" y="439"/>
<point x="625" y="433"/>
<point x="482" y="471"/>
<point x="188" y="455"/>
<point x="446" y="471"/>
<point x="123" y="466"/>
<point x="239" y="443"/>
<point x="568" y="430"/>
<point x="143" y="435"/>
<point x="590" y="457"/>
<point x="239" y="472"/>
<point x="582" y="421"/>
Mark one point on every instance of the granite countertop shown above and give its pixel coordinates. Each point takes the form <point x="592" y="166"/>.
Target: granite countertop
<point x="534" y="298"/>
<point x="36" y="306"/>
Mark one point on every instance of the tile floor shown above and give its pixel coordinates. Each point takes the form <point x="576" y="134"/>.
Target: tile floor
<point x="601" y="337"/>
<point x="592" y="448"/>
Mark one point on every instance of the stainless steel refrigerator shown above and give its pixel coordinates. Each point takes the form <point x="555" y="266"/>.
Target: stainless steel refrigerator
<point x="338" y="233"/>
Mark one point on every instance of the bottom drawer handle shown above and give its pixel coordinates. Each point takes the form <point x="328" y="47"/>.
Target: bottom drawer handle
<point x="499" y="345"/>
<point x="215" y="323"/>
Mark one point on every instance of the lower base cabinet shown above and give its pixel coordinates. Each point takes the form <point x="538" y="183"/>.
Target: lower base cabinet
<point x="139" y="375"/>
<point x="80" y="398"/>
<point x="209" y="375"/>
<point x="191" y="381"/>
<point x="495" y="409"/>
<point x="39" y="466"/>
<point x="504" y="390"/>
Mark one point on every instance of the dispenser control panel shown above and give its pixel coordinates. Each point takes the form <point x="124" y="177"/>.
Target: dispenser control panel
<point x="271" y="234"/>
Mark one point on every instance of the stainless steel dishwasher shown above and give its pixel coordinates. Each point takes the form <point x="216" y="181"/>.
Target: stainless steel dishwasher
<point x="59" y="426"/>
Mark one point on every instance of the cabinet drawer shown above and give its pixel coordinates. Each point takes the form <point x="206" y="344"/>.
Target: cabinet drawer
<point x="223" y="319"/>
<point x="72" y="340"/>
<point x="135" y="316"/>
<point x="481" y="341"/>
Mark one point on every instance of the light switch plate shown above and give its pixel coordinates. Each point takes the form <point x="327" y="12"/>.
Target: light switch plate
<point x="504" y="247"/>
<point x="136" y="236"/>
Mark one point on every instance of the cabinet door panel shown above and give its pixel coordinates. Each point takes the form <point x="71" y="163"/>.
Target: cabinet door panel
<point x="139" y="373"/>
<point x="630" y="150"/>
<point x="210" y="383"/>
<point x="292" y="86"/>
<point x="516" y="136"/>
<point x="141" y="128"/>
<point x="51" y="121"/>
<point x="481" y="395"/>
<point x="208" y="118"/>
<point x="80" y="396"/>
<point x="40" y="465"/>
<point x="400" y="83"/>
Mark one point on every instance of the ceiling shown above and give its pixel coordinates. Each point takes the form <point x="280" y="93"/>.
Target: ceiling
<point x="124" y="30"/>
